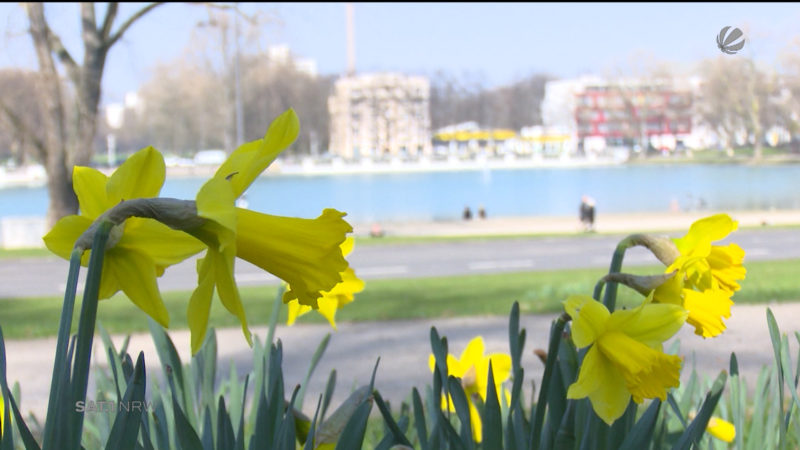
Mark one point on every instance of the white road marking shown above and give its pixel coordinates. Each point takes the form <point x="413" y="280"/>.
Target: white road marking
<point x="758" y="251"/>
<point x="385" y="270"/>
<point x="507" y="264"/>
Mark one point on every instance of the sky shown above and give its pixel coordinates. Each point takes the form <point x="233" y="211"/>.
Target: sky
<point x="496" y="43"/>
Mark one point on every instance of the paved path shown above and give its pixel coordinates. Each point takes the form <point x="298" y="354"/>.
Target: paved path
<point x="404" y="347"/>
<point x="46" y="276"/>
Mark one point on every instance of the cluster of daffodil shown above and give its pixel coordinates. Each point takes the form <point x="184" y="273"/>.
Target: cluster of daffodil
<point x="623" y="355"/>
<point x="472" y="367"/>
<point x="150" y="234"/>
<point x="625" y="358"/>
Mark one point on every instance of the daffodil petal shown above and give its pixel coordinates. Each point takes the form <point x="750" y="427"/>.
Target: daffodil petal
<point x="726" y="266"/>
<point x="706" y="310"/>
<point x="574" y="303"/>
<point x="347" y="245"/>
<point x="161" y="243"/>
<point x="475" y="421"/>
<point x="61" y="239"/>
<point x="589" y="323"/>
<point x="650" y="324"/>
<point x="708" y="229"/>
<point x="90" y="187"/>
<point x="108" y="282"/>
<point x="587" y="382"/>
<point x="327" y="307"/>
<point x="136" y="275"/>
<point x="294" y="310"/>
<point x="226" y="286"/>
<point x="721" y="429"/>
<point x="473" y="352"/>
<point x="248" y="161"/>
<point x="140" y="176"/>
<point x="200" y="303"/>
<point x="610" y="402"/>
<point x="344" y="290"/>
<point x="602" y="383"/>
<point x="215" y="201"/>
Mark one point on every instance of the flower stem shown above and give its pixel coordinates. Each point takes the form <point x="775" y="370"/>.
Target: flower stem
<point x="552" y="355"/>
<point x="88" y="317"/>
<point x="60" y="364"/>
<point x="610" y="297"/>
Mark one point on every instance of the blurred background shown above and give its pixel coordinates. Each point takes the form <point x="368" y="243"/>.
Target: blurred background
<point x="408" y="112"/>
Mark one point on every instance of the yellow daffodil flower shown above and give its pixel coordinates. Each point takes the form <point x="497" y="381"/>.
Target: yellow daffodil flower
<point x="303" y="252"/>
<point x="626" y="357"/>
<point x="473" y="369"/>
<point x="718" y="427"/>
<point x="709" y="266"/>
<point x="706" y="309"/>
<point x="721" y="429"/>
<point x="332" y="300"/>
<point x="138" y="250"/>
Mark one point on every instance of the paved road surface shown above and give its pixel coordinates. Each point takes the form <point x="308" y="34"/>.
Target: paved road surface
<point x="46" y="276"/>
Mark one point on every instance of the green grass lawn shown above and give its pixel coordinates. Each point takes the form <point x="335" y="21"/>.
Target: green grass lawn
<point x="537" y="292"/>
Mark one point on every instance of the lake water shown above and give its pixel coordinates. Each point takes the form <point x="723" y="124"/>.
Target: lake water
<point x="503" y="192"/>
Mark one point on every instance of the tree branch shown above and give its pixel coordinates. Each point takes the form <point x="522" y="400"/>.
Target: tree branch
<point x="125" y="25"/>
<point x="108" y="21"/>
<point x="19" y="124"/>
<point x="63" y="54"/>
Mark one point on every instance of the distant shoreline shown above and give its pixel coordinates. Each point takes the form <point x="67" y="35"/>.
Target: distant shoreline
<point x="34" y="176"/>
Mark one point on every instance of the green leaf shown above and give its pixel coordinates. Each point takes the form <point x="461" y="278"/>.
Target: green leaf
<point x="419" y="419"/>
<point x="170" y="361"/>
<point x="11" y="406"/>
<point x="313" y="365"/>
<point x="311" y="437"/>
<point x="83" y="346"/>
<point x="461" y="405"/>
<point x="207" y="437"/>
<point x="330" y="386"/>
<point x="187" y="437"/>
<point x="57" y="416"/>
<point x="640" y="436"/>
<point x="492" y="422"/>
<point x="226" y="440"/>
<point x="734" y="365"/>
<point x="332" y="428"/>
<point x="352" y="436"/>
<point x="285" y="435"/>
<point x="774" y="335"/>
<point x="695" y="430"/>
<point x="399" y="437"/>
<point x="556" y="330"/>
<point x="439" y="348"/>
<point x="126" y="424"/>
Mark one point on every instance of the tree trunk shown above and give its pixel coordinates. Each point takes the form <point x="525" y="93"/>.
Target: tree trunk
<point x="59" y="177"/>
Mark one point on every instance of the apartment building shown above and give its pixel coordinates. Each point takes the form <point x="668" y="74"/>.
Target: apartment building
<point x="380" y="115"/>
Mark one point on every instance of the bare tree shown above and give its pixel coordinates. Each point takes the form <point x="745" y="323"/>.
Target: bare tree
<point x="69" y="142"/>
<point x="17" y="142"/>
<point x="739" y="97"/>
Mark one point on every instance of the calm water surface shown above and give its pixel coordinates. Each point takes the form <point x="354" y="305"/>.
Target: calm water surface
<point x="507" y="192"/>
